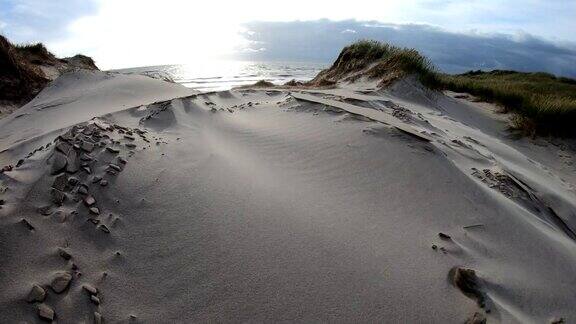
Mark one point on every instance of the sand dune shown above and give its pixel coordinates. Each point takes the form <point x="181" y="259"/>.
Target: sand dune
<point x="138" y="201"/>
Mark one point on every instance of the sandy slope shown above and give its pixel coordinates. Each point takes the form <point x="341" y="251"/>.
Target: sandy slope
<point x="266" y="206"/>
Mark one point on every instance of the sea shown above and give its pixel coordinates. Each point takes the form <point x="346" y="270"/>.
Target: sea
<point x="224" y="75"/>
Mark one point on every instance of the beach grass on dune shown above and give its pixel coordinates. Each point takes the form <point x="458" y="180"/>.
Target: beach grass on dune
<point x="380" y="60"/>
<point x="543" y="103"/>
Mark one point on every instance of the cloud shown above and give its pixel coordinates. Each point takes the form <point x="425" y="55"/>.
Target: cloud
<point x="321" y="40"/>
<point x="41" y="20"/>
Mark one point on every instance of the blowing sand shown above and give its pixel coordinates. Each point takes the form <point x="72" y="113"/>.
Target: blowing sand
<point x="132" y="200"/>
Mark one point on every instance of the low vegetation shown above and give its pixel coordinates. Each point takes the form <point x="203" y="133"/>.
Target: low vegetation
<point x="21" y="75"/>
<point x="19" y="78"/>
<point x="378" y="60"/>
<point x="543" y="103"/>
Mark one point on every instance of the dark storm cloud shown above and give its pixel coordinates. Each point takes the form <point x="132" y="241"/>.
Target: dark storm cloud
<point x="322" y="40"/>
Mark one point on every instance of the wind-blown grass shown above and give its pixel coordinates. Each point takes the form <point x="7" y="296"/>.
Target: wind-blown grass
<point x="544" y="103"/>
<point x="378" y="60"/>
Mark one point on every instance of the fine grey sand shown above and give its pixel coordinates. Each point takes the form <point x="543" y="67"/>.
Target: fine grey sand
<point x="141" y="201"/>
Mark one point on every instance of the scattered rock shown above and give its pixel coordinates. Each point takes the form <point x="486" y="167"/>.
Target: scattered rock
<point x="61" y="281"/>
<point x="95" y="299"/>
<point x="94" y="221"/>
<point x="444" y="236"/>
<point x="73" y="181"/>
<point x="468" y="283"/>
<point x="36" y="294"/>
<point x="87" y="146"/>
<point x="104" y="183"/>
<point x="560" y="320"/>
<point x="45" y="210"/>
<point x="83" y="190"/>
<point x="90" y="289"/>
<point x="58" y="196"/>
<point x="64" y="254"/>
<point x="94" y="210"/>
<point x="130" y="145"/>
<point x="19" y="163"/>
<point x="114" y="167"/>
<point x="128" y="137"/>
<point x="477" y="318"/>
<point x="73" y="164"/>
<point x="60" y="182"/>
<point x="63" y="147"/>
<point x="59" y="162"/>
<point x="104" y="228"/>
<point x="89" y="200"/>
<point x="96" y="179"/>
<point x="112" y="150"/>
<point x="86" y="158"/>
<point x="434" y="247"/>
<point x="46" y="312"/>
<point x="29" y="226"/>
<point x="121" y="160"/>
<point x="98" y="318"/>
<point x="87" y="169"/>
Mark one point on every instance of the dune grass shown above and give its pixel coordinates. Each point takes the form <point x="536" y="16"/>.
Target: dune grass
<point x="544" y="103"/>
<point x="379" y="60"/>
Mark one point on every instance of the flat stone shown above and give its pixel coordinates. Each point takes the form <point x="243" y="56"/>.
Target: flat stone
<point x="63" y="147"/>
<point x="98" y="318"/>
<point x="58" y="196"/>
<point x="90" y="289"/>
<point x="89" y="201"/>
<point x="112" y="150"/>
<point x="26" y="223"/>
<point x="64" y="254"/>
<point x="36" y="294"/>
<point x="85" y="157"/>
<point x="95" y="300"/>
<point x="61" y="281"/>
<point x="73" y="181"/>
<point x="60" y="182"/>
<point x="83" y="190"/>
<point x="45" y="210"/>
<point x="87" y="146"/>
<point x="94" y="210"/>
<point x="58" y="162"/>
<point x="73" y="163"/>
<point x="46" y="312"/>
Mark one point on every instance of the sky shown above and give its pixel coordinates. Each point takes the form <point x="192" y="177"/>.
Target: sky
<point x="127" y="33"/>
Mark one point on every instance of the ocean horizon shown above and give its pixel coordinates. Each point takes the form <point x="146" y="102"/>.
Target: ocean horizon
<point x="227" y="74"/>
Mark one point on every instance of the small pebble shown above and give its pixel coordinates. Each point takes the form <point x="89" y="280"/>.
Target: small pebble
<point x="36" y="294"/>
<point x="64" y="254"/>
<point x="46" y="312"/>
<point x="90" y="289"/>
<point x="61" y="281"/>
<point x="95" y="300"/>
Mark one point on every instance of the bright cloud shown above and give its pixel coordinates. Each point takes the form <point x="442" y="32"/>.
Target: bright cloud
<point x="120" y="33"/>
